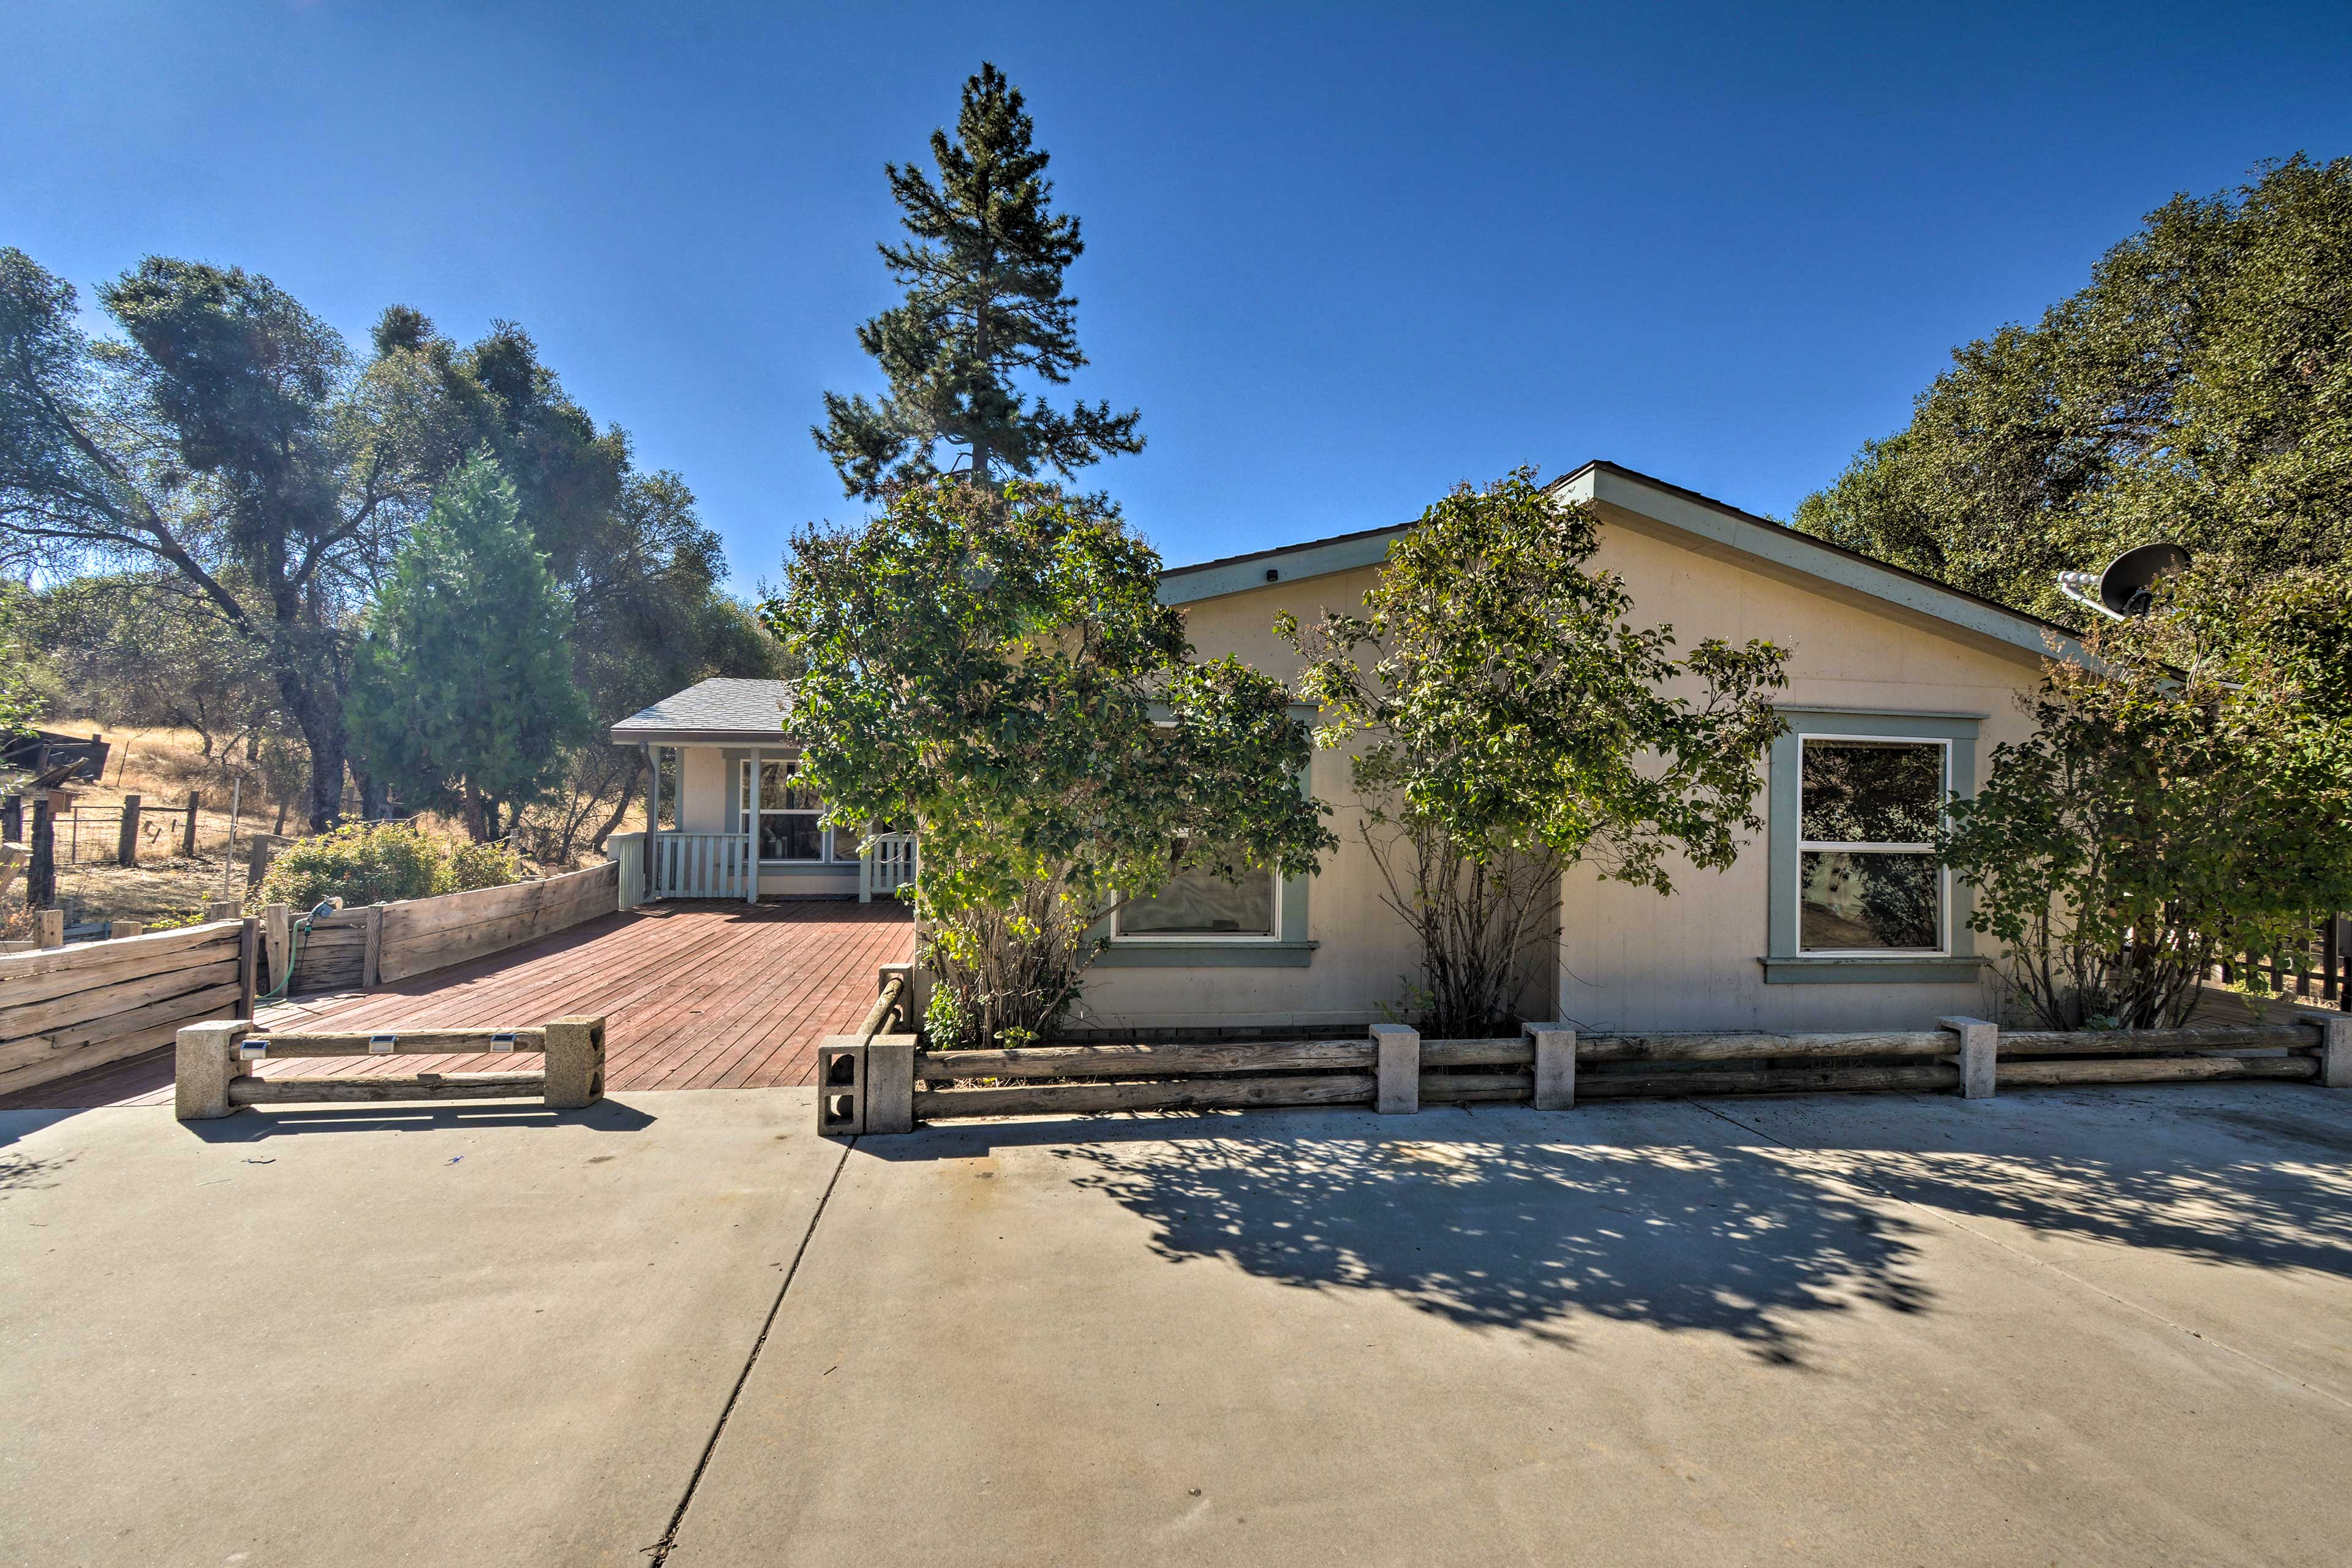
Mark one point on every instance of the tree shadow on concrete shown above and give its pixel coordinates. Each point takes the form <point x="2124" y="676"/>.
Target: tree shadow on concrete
<point x="1468" y="1218"/>
<point x="2244" y="1176"/>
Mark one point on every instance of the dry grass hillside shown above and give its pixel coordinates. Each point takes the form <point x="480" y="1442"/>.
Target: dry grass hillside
<point x="163" y="768"/>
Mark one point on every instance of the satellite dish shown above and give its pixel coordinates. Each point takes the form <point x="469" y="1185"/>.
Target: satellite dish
<point x="2124" y="585"/>
<point x="2120" y="592"/>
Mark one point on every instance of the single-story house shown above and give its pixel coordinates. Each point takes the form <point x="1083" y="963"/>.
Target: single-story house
<point x="1899" y="687"/>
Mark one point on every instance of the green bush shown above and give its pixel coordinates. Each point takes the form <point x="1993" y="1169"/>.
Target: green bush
<point x="376" y="863"/>
<point x="475" y="866"/>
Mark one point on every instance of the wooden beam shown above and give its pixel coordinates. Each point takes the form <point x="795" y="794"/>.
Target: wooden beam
<point x="2148" y="1042"/>
<point x="1738" y="1047"/>
<point x="1089" y="1099"/>
<point x="2155" y="1069"/>
<point x="421" y="1086"/>
<point x="1630" y="1085"/>
<point x="1145" y="1060"/>
<point x="406" y="1042"/>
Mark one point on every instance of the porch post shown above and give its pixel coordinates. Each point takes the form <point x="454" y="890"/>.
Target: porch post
<point x="653" y="821"/>
<point x="751" y="806"/>
<point x="866" y="868"/>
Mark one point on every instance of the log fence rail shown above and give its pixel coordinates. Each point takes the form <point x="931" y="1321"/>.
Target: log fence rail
<point x="214" y="1076"/>
<point x="1549" y="1065"/>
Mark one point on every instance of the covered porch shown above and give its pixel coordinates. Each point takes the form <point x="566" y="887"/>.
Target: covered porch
<point x="741" y="826"/>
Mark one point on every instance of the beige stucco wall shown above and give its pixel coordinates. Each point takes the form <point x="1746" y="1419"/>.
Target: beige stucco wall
<point x="1627" y="957"/>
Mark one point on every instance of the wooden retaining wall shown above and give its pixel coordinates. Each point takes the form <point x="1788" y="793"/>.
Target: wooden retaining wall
<point x="70" y="1008"/>
<point x="1397" y="1070"/>
<point x="380" y="943"/>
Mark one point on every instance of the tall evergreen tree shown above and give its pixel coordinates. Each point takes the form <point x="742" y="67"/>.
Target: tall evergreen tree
<point x="463" y="691"/>
<point x="984" y="303"/>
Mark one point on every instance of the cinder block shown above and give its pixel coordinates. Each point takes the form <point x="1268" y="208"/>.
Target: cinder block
<point x="2335" y="1047"/>
<point x="890" y="1083"/>
<point x="575" y="1063"/>
<point x="1555" y="1066"/>
<point x="1399" y="1091"/>
<point x="841" y="1086"/>
<point x="1978" y="1047"/>
<point x="208" y="1065"/>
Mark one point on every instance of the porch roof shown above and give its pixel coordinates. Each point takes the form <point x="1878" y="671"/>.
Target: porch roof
<point x="724" y="710"/>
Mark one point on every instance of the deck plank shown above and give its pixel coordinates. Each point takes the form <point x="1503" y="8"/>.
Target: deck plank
<point x="694" y="995"/>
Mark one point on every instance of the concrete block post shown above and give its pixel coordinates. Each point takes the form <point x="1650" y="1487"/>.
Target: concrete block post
<point x="575" y="1063"/>
<point x="1399" y="1090"/>
<point x="208" y="1065"/>
<point x="841" y="1086"/>
<point x="2335" y="1047"/>
<point x="1978" y="1045"/>
<point x="890" y="1083"/>
<point x="1555" y="1066"/>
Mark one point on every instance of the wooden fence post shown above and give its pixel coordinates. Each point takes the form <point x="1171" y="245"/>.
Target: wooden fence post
<point x="1555" y="1066"/>
<point x="12" y="819"/>
<point x="126" y="841"/>
<point x="1399" y="1090"/>
<point x="51" y="928"/>
<point x="220" y="909"/>
<point x="248" y="961"/>
<point x="188" y="834"/>
<point x="41" y="875"/>
<point x="276" y="944"/>
<point x="117" y="930"/>
<point x="372" y="955"/>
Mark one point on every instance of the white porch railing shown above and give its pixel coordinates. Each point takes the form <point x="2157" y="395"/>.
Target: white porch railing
<point x="698" y="866"/>
<point x="887" y="866"/>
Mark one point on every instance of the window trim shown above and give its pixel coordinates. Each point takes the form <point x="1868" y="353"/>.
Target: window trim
<point x="747" y="788"/>
<point x="1943" y="948"/>
<point x="1211" y="937"/>
<point x="1784" y="961"/>
<point x="1289" y="947"/>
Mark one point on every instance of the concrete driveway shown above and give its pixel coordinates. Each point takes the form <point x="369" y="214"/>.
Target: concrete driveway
<point x="2056" y="1327"/>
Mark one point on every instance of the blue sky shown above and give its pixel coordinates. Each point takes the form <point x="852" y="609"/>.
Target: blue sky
<point x="1340" y="258"/>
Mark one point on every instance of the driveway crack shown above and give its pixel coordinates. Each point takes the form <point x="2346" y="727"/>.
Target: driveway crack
<point x="658" y="1553"/>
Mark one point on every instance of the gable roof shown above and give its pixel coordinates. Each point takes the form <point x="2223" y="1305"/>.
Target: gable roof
<point x="1767" y="545"/>
<point x="724" y="709"/>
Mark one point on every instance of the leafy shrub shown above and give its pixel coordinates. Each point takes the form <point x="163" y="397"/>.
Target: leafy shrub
<point x="374" y="863"/>
<point x="475" y="866"/>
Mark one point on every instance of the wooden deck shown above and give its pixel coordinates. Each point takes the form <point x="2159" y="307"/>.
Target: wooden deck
<point x="694" y="995"/>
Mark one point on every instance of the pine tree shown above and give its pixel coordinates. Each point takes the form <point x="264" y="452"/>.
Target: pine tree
<point x="463" y="691"/>
<point x="984" y="302"/>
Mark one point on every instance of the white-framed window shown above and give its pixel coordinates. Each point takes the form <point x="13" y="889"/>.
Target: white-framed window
<point x="1198" y="905"/>
<point x="788" y="817"/>
<point x="1868" y="883"/>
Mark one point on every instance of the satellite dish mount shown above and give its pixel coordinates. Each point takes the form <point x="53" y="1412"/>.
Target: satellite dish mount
<point x="2122" y="590"/>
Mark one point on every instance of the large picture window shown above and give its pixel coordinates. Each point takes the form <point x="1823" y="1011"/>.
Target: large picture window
<point x="1867" y="878"/>
<point x="787" y="815"/>
<point x="1200" y="903"/>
